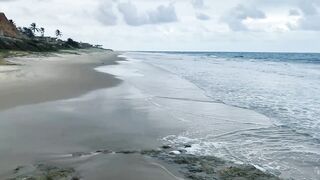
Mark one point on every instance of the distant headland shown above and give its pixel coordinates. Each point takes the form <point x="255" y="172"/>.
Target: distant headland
<point x="33" y="38"/>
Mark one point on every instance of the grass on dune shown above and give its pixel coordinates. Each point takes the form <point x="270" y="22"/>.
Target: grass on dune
<point x="6" y="54"/>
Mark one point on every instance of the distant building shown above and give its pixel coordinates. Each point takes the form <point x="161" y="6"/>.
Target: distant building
<point x="7" y="28"/>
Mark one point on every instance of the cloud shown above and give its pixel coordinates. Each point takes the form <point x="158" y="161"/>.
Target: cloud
<point x="294" y="12"/>
<point x="197" y="4"/>
<point x="130" y="14"/>
<point x="310" y="17"/>
<point x="86" y="21"/>
<point x="202" y="16"/>
<point x="309" y="23"/>
<point x="162" y="14"/>
<point x="309" y="8"/>
<point x="237" y="15"/>
<point x="106" y="15"/>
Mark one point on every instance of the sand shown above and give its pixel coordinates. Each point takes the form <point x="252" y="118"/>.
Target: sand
<point x="30" y="133"/>
<point x="60" y="76"/>
<point x="61" y="112"/>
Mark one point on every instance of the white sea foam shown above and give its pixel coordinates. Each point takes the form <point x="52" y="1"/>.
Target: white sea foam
<point x="119" y="71"/>
<point x="285" y="91"/>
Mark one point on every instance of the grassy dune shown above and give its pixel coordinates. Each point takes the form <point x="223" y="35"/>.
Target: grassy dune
<point x="6" y="54"/>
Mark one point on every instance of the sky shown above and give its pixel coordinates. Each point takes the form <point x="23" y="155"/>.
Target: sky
<point x="177" y="25"/>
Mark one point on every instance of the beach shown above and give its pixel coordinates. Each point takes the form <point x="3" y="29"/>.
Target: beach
<point x="27" y="140"/>
<point x="159" y="90"/>
<point x="42" y="79"/>
<point x="96" y="115"/>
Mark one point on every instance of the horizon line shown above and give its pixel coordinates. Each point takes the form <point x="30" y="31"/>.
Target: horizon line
<point x="214" y="51"/>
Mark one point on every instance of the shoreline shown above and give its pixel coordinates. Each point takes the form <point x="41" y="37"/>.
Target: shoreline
<point x="94" y="130"/>
<point x="60" y="77"/>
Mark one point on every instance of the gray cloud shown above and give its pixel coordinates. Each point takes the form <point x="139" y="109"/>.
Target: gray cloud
<point x="202" y="16"/>
<point x="310" y="23"/>
<point x="197" y="3"/>
<point x="162" y="14"/>
<point x="308" y="8"/>
<point x="310" y="17"/>
<point x="294" y="12"/>
<point x="106" y="15"/>
<point x="237" y="15"/>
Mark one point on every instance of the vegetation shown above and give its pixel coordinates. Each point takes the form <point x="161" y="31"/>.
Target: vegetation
<point x="72" y="43"/>
<point x="42" y="30"/>
<point x="5" y="54"/>
<point x="26" y="32"/>
<point x="58" y="33"/>
<point x="33" y="28"/>
<point x="33" y="39"/>
<point x="31" y="32"/>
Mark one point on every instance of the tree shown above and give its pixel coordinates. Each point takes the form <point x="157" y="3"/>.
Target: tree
<point x="58" y="33"/>
<point x="42" y="30"/>
<point x="72" y="43"/>
<point x="34" y="28"/>
<point x="26" y="31"/>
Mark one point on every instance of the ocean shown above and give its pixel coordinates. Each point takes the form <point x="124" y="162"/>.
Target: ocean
<point x="285" y="87"/>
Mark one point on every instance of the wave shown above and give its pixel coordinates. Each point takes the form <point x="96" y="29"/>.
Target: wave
<point x="282" y="86"/>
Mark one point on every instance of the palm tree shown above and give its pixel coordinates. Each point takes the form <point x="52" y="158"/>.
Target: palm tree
<point x="58" y="33"/>
<point x="26" y="31"/>
<point x="34" y="28"/>
<point x="42" y="30"/>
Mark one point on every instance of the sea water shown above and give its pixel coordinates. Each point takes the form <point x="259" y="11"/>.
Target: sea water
<point x="285" y="87"/>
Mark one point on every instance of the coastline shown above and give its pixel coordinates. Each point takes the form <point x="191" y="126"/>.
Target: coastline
<point x="37" y="81"/>
<point x="78" y="126"/>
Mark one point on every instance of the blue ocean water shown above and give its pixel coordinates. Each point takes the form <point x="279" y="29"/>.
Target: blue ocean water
<point x="283" y="86"/>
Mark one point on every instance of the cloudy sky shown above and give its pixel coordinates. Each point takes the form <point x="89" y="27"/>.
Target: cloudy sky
<point x="214" y="25"/>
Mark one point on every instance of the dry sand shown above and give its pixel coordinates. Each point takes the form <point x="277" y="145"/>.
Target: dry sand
<point x="61" y="76"/>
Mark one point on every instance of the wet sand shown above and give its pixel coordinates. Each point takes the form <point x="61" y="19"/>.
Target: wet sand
<point x="40" y="122"/>
<point x="79" y="117"/>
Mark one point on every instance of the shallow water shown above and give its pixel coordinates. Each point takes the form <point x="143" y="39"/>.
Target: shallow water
<point x="283" y="87"/>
